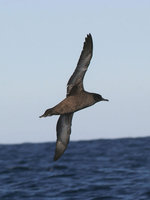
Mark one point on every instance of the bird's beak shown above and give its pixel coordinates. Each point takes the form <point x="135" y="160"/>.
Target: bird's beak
<point x="104" y="99"/>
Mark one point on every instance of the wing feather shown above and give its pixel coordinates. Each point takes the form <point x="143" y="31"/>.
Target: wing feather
<point x="77" y="77"/>
<point x="63" y="129"/>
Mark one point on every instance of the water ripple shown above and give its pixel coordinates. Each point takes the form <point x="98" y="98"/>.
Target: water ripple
<point x="91" y="170"/>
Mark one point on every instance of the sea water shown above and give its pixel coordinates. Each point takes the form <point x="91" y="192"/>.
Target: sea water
<point x="117" y="169"/>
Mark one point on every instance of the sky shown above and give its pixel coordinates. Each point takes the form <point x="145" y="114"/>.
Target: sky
<point x="40" y="43"/>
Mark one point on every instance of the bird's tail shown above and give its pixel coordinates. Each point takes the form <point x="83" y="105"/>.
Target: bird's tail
<point x="48" y="112"/>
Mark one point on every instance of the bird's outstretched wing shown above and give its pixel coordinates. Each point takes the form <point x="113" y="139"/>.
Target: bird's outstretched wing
<point x="75" y="82"/>
<point x="63" y="129"/>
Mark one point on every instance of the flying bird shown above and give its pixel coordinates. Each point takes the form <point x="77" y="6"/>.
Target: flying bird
<point x="76" y="99"/>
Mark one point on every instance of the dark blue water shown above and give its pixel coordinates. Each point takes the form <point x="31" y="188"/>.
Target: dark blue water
<point x="99" y="170"/>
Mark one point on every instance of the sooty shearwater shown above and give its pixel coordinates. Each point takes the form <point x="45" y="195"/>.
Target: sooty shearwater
<point x="76" y="99"/>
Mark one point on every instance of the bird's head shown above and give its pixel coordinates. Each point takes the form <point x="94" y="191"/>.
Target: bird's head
<point x="98" y="97"/>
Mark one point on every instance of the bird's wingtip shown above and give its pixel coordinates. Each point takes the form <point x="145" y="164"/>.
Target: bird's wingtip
<point x="60" y="148"/>
<point x="89" y="35"/>
<point x="55" y="158"/>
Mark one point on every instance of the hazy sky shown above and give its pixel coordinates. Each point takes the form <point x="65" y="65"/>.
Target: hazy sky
<point x="40" y="43"/>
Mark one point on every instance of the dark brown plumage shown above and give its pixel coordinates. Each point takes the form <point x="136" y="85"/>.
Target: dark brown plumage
<point x="76" y="99"/>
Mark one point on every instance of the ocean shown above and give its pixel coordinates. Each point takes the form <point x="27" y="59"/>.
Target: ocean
<point x="110" y="169"/>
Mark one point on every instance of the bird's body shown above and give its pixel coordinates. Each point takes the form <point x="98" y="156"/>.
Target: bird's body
<point x="76" y="99"/>
<point x="72" y="104"/>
